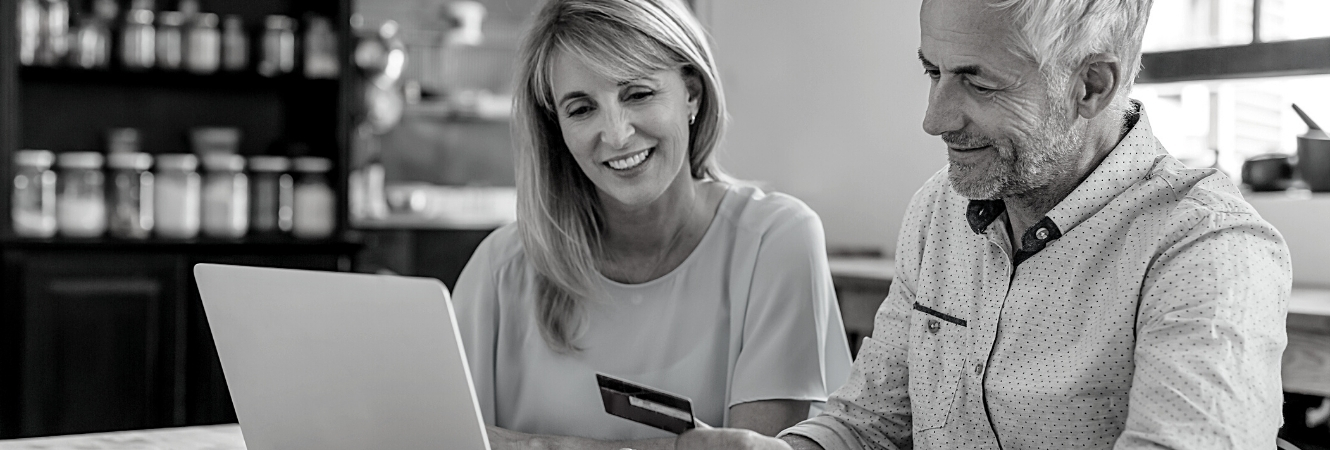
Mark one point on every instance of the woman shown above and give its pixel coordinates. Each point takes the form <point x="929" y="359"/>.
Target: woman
<point x="633" y="255"/>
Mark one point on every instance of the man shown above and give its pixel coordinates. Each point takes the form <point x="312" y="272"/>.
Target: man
<point x="1063" y="283"/>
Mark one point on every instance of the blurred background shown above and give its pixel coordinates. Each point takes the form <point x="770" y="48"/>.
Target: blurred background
<point x="139" y="137"/>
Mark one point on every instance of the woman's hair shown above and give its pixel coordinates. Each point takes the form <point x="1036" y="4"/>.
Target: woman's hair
<point x="1059" y="35"/>
<point x="558" y="209"/>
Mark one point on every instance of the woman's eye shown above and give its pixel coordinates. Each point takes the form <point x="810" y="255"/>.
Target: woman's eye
<point x="640" y="95"/>
<point x="578" y="110"/>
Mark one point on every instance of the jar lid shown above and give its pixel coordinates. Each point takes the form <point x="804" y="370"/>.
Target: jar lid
<point x="223" y="162"/>
<point x="34" y="158"/>
<point x="310" y="164"/>
<point x="177" y="161"/>
<point x="269" y="164"/>
<point x="139" y="16"/>
<point x="79" y="160"/>
<point x="206" y="20"/>
<point x="278" y="22"/>
<point x="171" y="18"/>
<point x="136" y="161"/>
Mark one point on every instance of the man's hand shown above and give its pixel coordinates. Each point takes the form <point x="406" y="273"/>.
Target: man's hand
<point x="727" y="438"/>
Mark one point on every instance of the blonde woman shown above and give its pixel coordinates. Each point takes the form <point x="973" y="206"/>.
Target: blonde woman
<point x="634" y="255"/>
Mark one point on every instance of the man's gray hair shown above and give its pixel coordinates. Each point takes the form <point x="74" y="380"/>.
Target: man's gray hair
<point x="1059" y="35"/>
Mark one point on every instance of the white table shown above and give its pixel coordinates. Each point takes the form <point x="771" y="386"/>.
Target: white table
<point x="212" y="437"/>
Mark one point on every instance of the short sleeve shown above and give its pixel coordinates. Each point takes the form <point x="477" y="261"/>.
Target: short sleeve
<point x="793" y="344"/>
<point x="476" y="304"/>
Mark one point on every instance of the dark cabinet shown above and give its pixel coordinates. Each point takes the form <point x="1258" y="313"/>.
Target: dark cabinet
<point x="108" y="336"/>
<point x="100" y="343"/>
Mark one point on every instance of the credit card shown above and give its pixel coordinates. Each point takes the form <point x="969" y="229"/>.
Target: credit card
<point x="645" y="405"/>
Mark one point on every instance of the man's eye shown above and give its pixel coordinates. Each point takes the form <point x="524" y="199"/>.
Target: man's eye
<point x="980" y="89"/>
<point x="933" y="73"/>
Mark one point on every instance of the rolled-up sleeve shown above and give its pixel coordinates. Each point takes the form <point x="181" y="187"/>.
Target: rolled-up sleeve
<point x="1211" y="332"/>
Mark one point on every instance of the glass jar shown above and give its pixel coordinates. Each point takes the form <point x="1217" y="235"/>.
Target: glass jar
<point x="81" y="204"/>
<point x="176" y="191"/>
<point x="131" y="195"/>
<point x="55" y="33"/>
<point x="30" y="17"/>
<point x="271" y="195"/>
<point x="170" y="40"/>
<point x="235" y="45"/>
<point x="279" y="46"/>
<point x="33" y="200"/>
<point x="315" y="204"/>
<point x="225" y="196"/>
<point x="204" y="44"/>
<point x="320" y="49"/>
<point x="90" y="43"/>
<point x="138" y="40"/>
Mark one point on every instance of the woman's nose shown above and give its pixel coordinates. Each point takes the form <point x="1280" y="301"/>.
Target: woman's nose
<point x="617" y="128"/>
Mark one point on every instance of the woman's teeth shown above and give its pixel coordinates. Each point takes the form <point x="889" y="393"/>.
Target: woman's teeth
<point x="629" y="162"/>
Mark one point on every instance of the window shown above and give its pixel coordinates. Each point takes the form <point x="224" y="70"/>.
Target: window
<point x="1219" y="76"/>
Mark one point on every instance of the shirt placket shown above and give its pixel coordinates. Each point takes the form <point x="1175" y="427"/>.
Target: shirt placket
<point x="996" y="283"/>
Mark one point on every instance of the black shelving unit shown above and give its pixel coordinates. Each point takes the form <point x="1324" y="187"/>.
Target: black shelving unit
<point x="106" y="334"/>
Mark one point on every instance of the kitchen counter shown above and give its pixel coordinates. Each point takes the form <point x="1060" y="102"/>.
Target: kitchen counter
<point x="212" y="437"/>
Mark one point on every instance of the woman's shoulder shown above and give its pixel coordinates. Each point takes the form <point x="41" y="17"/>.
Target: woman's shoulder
<point x="503" y="247"/>
<point x="754" y="209"/>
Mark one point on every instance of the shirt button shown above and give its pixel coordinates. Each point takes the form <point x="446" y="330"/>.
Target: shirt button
<point x="978" y="368"/>
<point x="933" y="326"/>
<point x="1042" y="233"/>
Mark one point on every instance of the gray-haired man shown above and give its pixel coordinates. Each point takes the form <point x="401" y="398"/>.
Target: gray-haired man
<point x="1063" y="282"/>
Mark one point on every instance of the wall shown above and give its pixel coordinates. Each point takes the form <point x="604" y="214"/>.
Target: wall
<point x="827" y="99"/>
<point x="1301" y="220"/>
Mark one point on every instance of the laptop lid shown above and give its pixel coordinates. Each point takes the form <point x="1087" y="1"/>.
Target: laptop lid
<point x="326" y="360"/>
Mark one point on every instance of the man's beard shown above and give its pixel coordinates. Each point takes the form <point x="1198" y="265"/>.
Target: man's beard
<point x="1022" y="164"/>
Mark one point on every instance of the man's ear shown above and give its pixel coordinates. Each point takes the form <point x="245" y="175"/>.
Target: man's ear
<point x="1096" y="84"/>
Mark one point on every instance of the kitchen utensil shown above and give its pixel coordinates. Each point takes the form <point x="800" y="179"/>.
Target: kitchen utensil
<point x="1313" y="155"/>
<point x="1272" y="172"/>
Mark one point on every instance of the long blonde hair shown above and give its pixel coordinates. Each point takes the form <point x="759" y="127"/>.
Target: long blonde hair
<point x="558" y="209"/>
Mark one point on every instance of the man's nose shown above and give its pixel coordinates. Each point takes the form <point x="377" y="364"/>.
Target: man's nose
<point x="617" y="128"/>
<point x="944" y="112"/>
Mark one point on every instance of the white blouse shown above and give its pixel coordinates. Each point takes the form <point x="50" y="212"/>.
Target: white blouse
<point x="750" y="315"/>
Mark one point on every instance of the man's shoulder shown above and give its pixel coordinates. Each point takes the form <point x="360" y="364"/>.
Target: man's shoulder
<point x="1204" y="192"/>
<point x="935" y="191"/>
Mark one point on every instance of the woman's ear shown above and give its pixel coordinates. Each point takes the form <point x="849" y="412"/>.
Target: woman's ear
<point x="692" y="80"/>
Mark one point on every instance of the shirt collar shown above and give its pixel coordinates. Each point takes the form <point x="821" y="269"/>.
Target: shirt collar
<point x="1128" y="163"/>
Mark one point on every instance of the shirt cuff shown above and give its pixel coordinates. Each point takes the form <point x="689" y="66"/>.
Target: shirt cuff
<point x="827" y="432"/>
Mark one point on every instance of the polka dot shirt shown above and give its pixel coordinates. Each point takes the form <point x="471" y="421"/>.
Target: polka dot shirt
<point x="1145" y="311"/>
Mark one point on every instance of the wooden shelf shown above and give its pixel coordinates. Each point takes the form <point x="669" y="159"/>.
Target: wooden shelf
<point x="169" y="79"/>
<point x="257" y="244"/>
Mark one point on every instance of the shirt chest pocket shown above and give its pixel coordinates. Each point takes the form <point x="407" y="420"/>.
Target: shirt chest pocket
<point x="937" y="360"/>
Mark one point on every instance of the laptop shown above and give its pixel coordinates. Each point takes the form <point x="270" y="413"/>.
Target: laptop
<point x="329" y="361"/>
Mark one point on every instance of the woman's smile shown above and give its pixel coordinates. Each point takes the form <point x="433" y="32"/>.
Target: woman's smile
<point x="630" y="162"/>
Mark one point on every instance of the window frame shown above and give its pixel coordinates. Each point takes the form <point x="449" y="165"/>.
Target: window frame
<point x="1257" y="59"/>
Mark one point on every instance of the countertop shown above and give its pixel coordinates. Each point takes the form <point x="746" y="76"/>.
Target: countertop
<point x="212" y="437"/>
<point x="1304" y="301"/>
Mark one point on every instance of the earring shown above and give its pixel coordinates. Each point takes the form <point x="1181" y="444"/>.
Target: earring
<point x="692" y="118"/>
